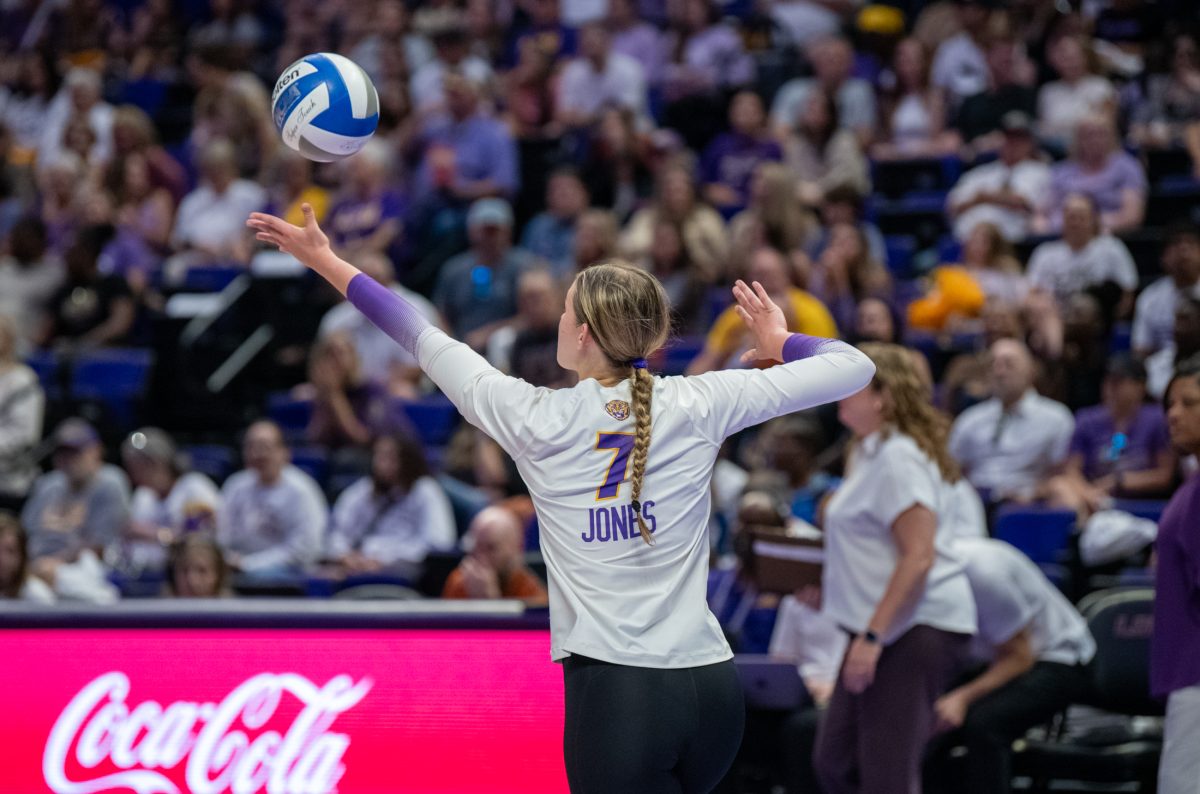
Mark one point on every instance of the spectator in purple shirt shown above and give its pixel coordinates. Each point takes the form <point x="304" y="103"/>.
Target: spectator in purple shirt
<point x="1098" y="167"/>
<point x="368" y="216"/>
<point x="468" y="154"/>
<point x="544" y="26"/>
<point x="1175" y="645"/>
<point x="1119" y="449"/>
<point x="633" y="36"/>
<point x="730" y="160"/>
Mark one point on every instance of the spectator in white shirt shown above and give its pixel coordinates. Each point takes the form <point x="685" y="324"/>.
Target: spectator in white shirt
<point x="1037" y="646"/>
<point x="392" y="518"/>
<point x="22" y="404"/>
<point x="833" y="63"/>
<point x="960" y="66"/>
<point x="1085" y="258"/>
<point x="1154" y="313"/>
<point x="211" y="221"/>
<point x="168" y="500"/>
<point x="80" y="97"/>
<point x="599" y="78"/>
<point x="1077" y="94"/>
<point x="15" y="579"/>
<point x="382" y="361"/>
<point x="892" y="581"/>
<point x="1011" y="444"/>
<point x="272" y="517"/>
<point x="1006" y="192"/>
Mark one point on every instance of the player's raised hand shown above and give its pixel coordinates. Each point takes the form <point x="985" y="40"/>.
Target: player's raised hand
<point x="764" y="319"/>
<point x="305" y="243"/>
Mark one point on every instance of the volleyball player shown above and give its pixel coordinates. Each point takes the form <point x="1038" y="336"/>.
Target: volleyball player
<point x="619" y="467"/>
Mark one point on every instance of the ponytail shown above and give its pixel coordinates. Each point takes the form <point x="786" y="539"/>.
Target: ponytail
<point x="642" y="390"/>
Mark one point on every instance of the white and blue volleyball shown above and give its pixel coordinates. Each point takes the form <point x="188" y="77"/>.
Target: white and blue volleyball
<point x="325" y="107"/>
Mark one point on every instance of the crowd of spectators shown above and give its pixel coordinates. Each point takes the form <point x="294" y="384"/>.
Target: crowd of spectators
<point x="805" y="144"/>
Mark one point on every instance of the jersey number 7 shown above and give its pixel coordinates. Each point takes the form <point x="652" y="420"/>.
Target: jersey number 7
<point x="621" y="446"/>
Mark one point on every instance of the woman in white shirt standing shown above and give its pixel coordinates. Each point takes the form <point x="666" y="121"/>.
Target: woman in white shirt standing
<point x="892" y="583"/>
<point x="619" y="468"/>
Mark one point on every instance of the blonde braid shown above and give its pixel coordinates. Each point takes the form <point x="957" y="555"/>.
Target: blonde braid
<point x="642" y="391"/>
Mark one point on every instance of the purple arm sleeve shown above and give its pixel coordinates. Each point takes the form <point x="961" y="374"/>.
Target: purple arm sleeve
<point x="395" y="316"/>
<point x="799" y="346"/>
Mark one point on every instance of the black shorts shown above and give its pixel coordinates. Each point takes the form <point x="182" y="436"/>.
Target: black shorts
<point x="644" y="729"/>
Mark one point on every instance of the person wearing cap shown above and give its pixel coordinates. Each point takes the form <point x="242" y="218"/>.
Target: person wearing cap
<point x="477" y="290"/>
<point x="1006" y="192"/>
<point x="168" y="500"/>
<point x="272" y="516"/>
<point x="1120" y="448"/>
<point x="78" y="507"/>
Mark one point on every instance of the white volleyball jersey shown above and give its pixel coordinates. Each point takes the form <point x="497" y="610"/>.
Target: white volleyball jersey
<point x="612" y="596"/>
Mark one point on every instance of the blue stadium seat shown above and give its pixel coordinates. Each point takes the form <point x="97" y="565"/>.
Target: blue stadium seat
<point x="216" y="461"/>
<point x="290" y="414"/>
<point x="949" y="249"/>
<point x="313" y="461"/>
<point x="897" y="178"/>
<point x="1121" y="339"/>
<point x="1042" y="533"/>
<point x="900" y="251"/>
<point x="679" y="353"/>
<point x="147" y="94"/>
<point x="756" y="631"/>
<point x="434" y="418"/>
<point x="115" y="378"/>
<point x="48" y="367"/>
<point x="210" y="278"/>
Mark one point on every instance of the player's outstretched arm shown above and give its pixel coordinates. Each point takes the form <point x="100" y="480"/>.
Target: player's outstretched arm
<point x="398" y="318"/>
<point x="307" y="243"/>
<point x="772" y="340"/>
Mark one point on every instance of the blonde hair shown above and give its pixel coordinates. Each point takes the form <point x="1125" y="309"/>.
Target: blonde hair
<point x="629" y="315"/>
<point x="907" y="407"/>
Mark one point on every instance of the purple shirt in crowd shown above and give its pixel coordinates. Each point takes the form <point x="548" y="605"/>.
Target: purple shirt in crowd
<point x="732" y="157"/>
<point x="1175" y="645"/>
<point x="1105" y="451"/>
<point x="353" y="219"/>
<point x="644" y="44"/>
<point x="483" y="149"/>
<point x="1122" y="171"/>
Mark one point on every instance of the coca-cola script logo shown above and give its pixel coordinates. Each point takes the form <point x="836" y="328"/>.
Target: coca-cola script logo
<point x="98" y="726"/>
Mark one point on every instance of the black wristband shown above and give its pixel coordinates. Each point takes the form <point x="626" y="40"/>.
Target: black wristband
<point x="870" y="637"/>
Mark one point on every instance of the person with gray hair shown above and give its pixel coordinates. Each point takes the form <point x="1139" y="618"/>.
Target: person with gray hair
<point x="1010" y="444"/>
<point x="22" y="404"/>
<point x="209" y="221"/>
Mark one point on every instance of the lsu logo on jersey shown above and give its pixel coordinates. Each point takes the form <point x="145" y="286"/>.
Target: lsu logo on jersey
<point x="617" y="409"/>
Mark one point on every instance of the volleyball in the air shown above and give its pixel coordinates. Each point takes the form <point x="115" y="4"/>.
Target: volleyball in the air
<point x="325" y="107"/>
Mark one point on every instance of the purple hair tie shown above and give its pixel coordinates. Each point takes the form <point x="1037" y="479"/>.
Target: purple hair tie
<point x="638" y="363"/>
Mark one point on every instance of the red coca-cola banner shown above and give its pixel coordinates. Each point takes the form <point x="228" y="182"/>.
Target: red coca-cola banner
<point x="238" y="711"/>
